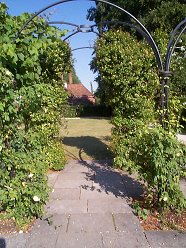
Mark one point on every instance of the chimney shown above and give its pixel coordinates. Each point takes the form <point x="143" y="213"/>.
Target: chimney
<point x="70" y="81"/>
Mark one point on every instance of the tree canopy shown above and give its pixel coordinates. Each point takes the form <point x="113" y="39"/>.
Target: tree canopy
<point x="164" y="14"/>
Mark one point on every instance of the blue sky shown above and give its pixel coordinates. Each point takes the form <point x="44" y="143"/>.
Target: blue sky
<point x="74" y="12"/>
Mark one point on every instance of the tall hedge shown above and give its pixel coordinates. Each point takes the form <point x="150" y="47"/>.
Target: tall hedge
<point x="129" y="79"/>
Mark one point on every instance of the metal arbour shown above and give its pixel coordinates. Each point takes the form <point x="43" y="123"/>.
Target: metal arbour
<point x="164" y="68"/>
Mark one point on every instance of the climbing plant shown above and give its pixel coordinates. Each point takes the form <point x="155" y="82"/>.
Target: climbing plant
<point x="31" y="106"/>
<point x="129" y="80"/>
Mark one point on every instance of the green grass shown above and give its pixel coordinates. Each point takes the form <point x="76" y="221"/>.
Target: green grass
<point x="87" y="138"/>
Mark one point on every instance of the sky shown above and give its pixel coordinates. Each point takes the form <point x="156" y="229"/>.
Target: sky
<point x="73" y="12"/>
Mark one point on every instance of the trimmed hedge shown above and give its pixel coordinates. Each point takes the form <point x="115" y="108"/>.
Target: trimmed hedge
<point x="95" y="110"/>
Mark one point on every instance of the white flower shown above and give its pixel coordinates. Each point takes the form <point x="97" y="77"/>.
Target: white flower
<point x="30" y="175"/>
<point x="165" y="198"/>
<point x="36" y="198"/>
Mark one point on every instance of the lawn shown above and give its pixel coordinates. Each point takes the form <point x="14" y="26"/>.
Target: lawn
<point x="87" y="138"/>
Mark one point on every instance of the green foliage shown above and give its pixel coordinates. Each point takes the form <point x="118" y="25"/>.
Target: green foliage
<point x="55" y="156"/>
<point x="70" y="111"/>
<point x="129" y="80"/>
<point x="23" y="185"/>
<point x="128" y="67"/>
<point x="95" y="110"/>
<point x="31" y="106"/>
<point x="165" y="14"/>
<point x="139" y="211"/>
<point x="158" y="156"/>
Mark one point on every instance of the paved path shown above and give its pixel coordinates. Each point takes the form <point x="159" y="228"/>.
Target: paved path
<point x="89" y="208"/>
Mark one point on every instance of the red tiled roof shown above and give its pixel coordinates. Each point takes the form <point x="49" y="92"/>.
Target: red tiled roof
<point x="78" y="90"/>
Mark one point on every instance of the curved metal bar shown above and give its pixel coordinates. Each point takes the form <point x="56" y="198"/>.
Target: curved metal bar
<point x="169" y="53"/>
<point x="167" y="62"/>
<point x="70" y="35"/>
<point x="79" y="48"/>
<point x="66" y="23"/>
<point x="101" y="1"/>
<point x="80" y="31"/>
<point x="149" y="41"/>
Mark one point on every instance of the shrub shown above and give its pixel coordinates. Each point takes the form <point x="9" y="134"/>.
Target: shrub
<point x="31" y="100"/>
<point x="23" y="185"/>
<point x="55" y="157"/>
<point x="96" y="110"/>
<point x="129" y="80"/>
<point x="159" y="157"/>
<point x="70" y="111"/>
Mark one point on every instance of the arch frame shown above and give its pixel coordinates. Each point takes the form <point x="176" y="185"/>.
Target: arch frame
<point x="164" y="73"/>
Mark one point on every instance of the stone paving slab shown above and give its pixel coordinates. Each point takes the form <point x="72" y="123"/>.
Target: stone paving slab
<point x="127" y="222"/>
<point x="75" y="176"/>
<point x="65" y="194"/>
<point x="52" y="178"/>
<point x="117" y="189"/>
<point x="108" y="206"/>
<point x="71" y="184"/>
<point x="66" y="206"/>
<point x="76" y="167"/>
<point x="45" y="232"/>
<point x="91" y="223"/>
<point x="79" y="240"/>
<point x="124" y="240"/>
<point x="93" y="193"/>
<point x="166" y="239"/>
<point x="42" y="235"/>
<point x="14" y="241"/>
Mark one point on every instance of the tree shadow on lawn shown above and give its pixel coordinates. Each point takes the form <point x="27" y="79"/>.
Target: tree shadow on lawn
<point x="93" y="147"/>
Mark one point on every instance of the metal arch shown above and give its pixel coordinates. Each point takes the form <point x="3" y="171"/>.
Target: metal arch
<point x="169" y="50"/>
<point x="160" y="64"/>
<point x="80" y="48"/>
<point x="164" y="74"/>
<point x="70" y="35"/>
<point x="65" y="23"/>
<point x="110" y="22"/>
<point x="80" y="31"/>
<point x="144" y="34"/>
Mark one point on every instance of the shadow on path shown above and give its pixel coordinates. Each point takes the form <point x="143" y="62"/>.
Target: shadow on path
<point x="107" y="179"/>
<point x="2" y="243"/>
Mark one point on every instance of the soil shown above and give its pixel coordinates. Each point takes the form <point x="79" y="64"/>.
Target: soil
<point x="167" y="221"/>
<point x="8" y="226"/>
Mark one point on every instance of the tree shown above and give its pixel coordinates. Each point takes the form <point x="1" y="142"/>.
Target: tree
<point x="165" y="14"/>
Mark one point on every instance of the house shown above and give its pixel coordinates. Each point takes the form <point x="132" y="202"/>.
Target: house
<point x="78" y="93"/>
